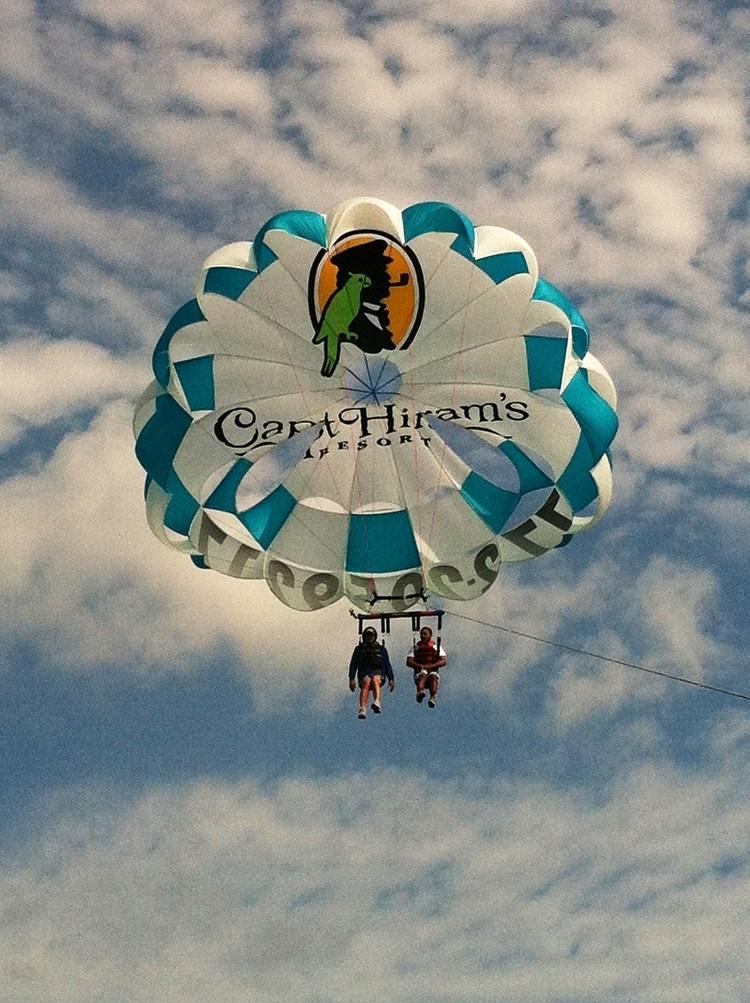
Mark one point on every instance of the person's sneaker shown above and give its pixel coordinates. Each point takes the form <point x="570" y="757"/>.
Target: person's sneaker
<point x="362" y="714"/>
<point x="420" y="696"/>
<point x="375" y="707"/>
<point x="431" y="702"/>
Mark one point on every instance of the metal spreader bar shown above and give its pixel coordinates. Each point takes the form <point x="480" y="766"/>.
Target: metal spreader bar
<point x="416" y="618"/>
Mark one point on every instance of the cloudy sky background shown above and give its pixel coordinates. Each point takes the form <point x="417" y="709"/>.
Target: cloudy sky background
<point x="189" y="809"/>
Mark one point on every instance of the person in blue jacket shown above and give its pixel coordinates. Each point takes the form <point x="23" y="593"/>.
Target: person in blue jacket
<point x="368" y="666"/>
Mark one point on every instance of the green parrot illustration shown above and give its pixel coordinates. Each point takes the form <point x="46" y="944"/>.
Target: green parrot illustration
<point x="338" y="314"/>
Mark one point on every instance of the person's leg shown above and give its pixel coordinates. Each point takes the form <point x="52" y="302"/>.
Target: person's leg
<point x="364" y="693"/>
<point x="377" y="682"/>
<point x="420" y="679"/>
<point x="433" y="684"/>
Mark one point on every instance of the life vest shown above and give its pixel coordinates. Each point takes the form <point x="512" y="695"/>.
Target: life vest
<point x="370" y="659"/>
<point x="425" y="654"/>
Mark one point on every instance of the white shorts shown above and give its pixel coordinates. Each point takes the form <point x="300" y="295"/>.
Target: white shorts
<point x="418" y="673"/>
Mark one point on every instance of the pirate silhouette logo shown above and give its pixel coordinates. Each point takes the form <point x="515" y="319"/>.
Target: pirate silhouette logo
<point x="367" y="290"/>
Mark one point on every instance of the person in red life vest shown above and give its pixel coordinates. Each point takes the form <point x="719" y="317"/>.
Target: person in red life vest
<point x="427" y="661"/>
<point x="370" y="664"/>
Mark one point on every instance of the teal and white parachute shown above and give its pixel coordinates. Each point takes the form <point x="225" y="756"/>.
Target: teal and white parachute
<point x="374" y="402"/>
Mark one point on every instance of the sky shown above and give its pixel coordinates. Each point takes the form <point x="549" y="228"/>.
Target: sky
<point x="190" y="810"/>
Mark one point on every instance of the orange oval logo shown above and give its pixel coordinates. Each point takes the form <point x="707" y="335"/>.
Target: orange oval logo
<point x="367" y="289"/>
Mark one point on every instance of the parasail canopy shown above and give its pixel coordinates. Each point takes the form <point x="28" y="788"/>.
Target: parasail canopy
<point x="374" y="403"/>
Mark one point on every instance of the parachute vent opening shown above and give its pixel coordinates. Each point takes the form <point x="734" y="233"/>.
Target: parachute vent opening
<point x="371" y="381"/>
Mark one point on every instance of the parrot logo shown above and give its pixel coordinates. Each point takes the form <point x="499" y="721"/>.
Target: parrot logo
<point x="366" y="290"/>
<point x="335" y="325"/>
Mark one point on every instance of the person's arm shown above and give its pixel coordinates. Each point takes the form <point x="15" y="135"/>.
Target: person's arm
<point x="442" y="659"/>
<point x="388" y="669"/>
<point x="353" y="667"/>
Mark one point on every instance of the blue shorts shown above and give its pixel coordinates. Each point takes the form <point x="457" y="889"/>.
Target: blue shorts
<point x="363" y="674"/>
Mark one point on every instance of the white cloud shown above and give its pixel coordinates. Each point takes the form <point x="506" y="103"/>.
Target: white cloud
<point x="91" y="302"/>
<point x="19" y="43"/>
<point x="12" y="288"/>
<point x="230" y="26"/>
<point x="471" y="892"/>
<point x="579" y="695"/>
<point x="46" y="381"/>
<point x="37" y="202"/>
<point x="214" y="87"/>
